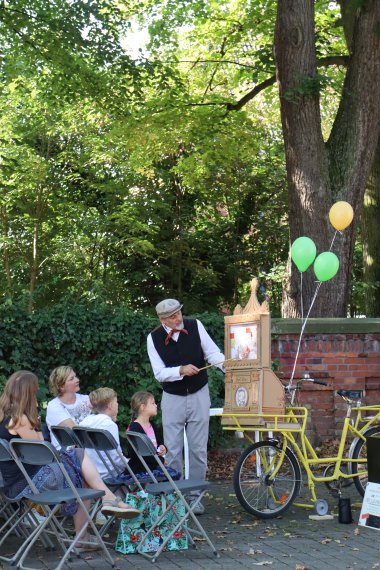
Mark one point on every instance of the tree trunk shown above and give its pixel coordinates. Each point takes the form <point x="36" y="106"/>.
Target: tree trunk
<point x="319" y="174"/>
<point x="371" y="240"/>
<point x="6" y="257"/>
<point x="34" y="265"/>
<point x="34" y="262"/>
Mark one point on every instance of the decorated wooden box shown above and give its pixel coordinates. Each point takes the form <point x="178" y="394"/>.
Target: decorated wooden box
<point x="251" y="387"/>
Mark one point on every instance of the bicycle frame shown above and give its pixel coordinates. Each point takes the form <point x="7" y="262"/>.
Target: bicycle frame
<point x="289" y="430"/>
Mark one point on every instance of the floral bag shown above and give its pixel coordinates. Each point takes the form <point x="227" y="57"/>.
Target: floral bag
<point x="151" y="508"/>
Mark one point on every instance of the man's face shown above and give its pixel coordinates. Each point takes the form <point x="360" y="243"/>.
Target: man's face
<point x="174" y="321"/>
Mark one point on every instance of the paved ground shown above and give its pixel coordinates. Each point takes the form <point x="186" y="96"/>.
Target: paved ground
<point x="293" y="541"/>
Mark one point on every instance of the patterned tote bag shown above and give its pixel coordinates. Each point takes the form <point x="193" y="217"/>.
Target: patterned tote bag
<point x="151" y="507"/>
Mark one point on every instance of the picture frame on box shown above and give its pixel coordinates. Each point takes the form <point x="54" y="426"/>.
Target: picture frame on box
<point x="243" y="343"/>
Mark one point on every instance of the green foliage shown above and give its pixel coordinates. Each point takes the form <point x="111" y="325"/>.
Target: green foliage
<point x="306" y="86"/>
<point x="121" y="198"/>
<point x="124" y="178"/>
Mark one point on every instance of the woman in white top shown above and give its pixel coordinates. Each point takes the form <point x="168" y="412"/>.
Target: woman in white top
<point x="68" y="408"/>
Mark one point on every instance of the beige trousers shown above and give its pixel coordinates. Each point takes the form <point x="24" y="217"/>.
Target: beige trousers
<point x="189" y="412"/>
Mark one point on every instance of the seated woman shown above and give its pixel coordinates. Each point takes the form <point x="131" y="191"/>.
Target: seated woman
<point x="104" y="414"/>
<point x="69" y="407"/>
<point x="19" y="419"/>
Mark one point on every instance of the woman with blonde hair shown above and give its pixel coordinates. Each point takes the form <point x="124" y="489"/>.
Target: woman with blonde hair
<point x="68" y="408"/>
<point x="19" y="419"/>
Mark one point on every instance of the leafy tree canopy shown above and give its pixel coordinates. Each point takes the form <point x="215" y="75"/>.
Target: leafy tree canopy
<point x="127" y="177"/>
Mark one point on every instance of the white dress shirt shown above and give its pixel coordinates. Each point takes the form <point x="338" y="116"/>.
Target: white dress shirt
<point x="163" y="373"/>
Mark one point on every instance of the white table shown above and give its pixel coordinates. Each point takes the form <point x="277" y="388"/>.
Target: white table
<point x="213" y="412"/>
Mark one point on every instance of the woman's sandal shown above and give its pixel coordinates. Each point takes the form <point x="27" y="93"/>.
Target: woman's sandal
<point x="93" y="544"/>
<point x="112" y="507"/>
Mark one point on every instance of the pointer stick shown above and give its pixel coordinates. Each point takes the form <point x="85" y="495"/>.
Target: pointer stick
<point x="216" y="364"/>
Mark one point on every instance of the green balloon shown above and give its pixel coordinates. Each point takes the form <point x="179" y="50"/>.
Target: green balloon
<point x="303" y="252"/>
<point x="326" y="266"/>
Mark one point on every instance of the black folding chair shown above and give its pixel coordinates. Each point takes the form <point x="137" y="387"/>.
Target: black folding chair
<point x="144" y="448"/>
<point x="65" y="436"/>
<point x="16" y="514"/>
<point x="104" y="445"/>
<point x="66" y="439"/>
<point x="120" y="475"/>
<point x="30" y="452"/>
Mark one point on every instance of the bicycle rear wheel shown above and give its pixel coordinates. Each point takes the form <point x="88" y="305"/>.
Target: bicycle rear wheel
<point x="266" y="480"/>
<point x="360" y="452"/>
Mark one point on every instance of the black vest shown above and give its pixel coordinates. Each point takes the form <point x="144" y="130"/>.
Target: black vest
<point x="187" y="350"/>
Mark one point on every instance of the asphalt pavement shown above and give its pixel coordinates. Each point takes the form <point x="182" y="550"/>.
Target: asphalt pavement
<point x="243" y="541"/>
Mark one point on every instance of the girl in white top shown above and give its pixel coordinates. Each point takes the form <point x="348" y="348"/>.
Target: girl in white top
<point x="68" y="408"/>
<point x="105" y="408"/>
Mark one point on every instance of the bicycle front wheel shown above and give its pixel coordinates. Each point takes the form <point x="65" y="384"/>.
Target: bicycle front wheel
<point x="360" y="452"/>
<point x="266" y="479"/>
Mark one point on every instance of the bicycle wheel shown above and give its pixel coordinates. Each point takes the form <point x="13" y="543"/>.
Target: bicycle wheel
<point x="266" y="480"/>
<point x="360" y="452"/>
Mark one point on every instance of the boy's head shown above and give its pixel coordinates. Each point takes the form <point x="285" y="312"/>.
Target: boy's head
<point x="104" y="400"/>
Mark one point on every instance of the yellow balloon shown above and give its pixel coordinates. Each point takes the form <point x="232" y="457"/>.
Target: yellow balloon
<point x="341" y="215"/>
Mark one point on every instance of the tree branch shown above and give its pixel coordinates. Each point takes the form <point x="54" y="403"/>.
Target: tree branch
<point x="251" y="94"/>
<point x="323" y="62"/>
<point x="219" y="61"/>
<point x="338" y="60"/>
<point x="222" y="52"/>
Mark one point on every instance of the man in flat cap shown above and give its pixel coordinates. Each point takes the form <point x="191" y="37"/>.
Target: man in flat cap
<point x="178" y="348"/>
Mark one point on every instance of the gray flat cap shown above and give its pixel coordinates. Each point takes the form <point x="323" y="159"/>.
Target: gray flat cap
<point x="168" y="307"/>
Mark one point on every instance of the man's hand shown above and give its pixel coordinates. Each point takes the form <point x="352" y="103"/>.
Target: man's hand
<point x="188" y="370"/>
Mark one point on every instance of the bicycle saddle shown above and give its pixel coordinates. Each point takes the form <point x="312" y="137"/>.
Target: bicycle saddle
<point x="351" y="394"/>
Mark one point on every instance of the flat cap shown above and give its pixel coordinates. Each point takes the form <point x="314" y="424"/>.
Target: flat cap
<point x="168" y="307"/>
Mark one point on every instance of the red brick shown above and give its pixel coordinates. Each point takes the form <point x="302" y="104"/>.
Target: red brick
<point x="349" y="361"/>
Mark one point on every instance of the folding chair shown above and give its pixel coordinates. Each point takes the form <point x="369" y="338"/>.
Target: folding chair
<point x="17" y="515"/>
<point x="103" y="443"/>
<point x="66" y="439"/>
<point x="144" y="448"/>
<point x="30" y="452"/>
<point x="65" y="436"/>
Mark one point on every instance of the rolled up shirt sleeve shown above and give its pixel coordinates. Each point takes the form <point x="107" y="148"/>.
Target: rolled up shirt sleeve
<point x="161" y="372"/>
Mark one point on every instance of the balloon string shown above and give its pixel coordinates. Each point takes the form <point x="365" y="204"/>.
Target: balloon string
<point x="302" y="329"/>
<point x="333" y="239"/>
<point x="301" y="299"/>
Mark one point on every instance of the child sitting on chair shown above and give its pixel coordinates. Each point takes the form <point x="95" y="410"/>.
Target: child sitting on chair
<point x="105" y="407"/>
<point x="144" y="407"/>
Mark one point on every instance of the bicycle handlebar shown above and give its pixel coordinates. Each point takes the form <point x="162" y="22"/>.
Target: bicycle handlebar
<point x="290" y="388"/>
<point x="320" y="382"/>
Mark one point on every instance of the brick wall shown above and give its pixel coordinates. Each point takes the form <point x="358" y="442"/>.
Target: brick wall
<point x="345" y="353"/>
